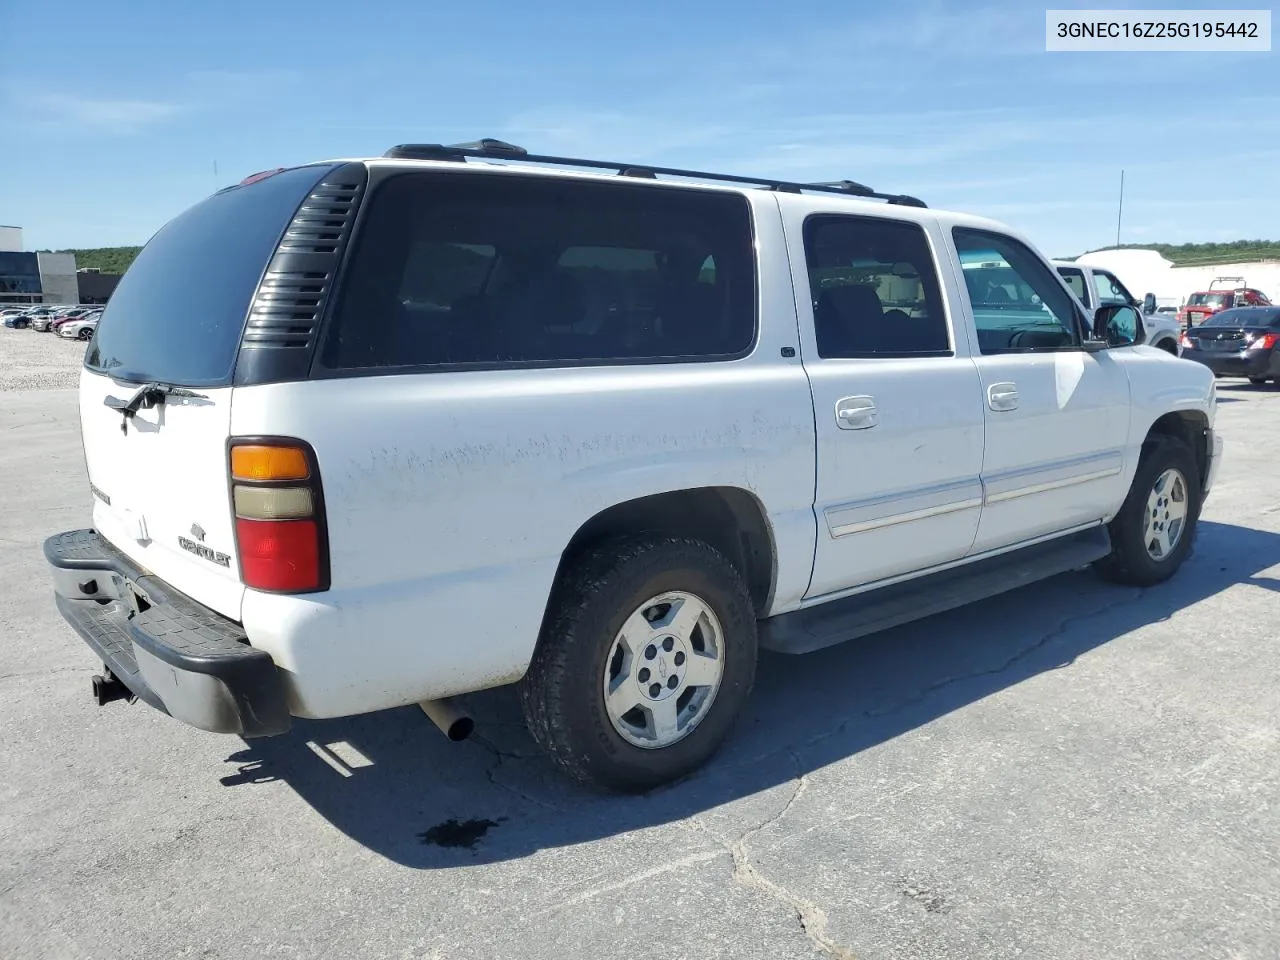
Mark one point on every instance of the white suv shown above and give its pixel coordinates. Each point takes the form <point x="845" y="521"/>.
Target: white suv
<point x="460" y="417"/>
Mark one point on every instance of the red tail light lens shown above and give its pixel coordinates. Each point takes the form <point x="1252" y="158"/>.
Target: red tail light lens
<point x="280" y="529"/>
<point x="1186" y="342"/>
<point x="1264" y="342"/>
<point x="279" y="555"/>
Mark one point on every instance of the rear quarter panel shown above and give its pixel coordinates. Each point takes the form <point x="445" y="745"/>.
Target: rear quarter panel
<point x="451" y="497"/>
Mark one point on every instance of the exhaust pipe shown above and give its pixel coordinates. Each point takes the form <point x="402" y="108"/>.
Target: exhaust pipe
<point x="108" y="689"/>
<point x="454" y="722"/>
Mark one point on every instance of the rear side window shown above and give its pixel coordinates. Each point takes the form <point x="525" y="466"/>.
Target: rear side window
<point x="456" y="270"/>
<point x="178" y="313"/>
<point x="1075" y="280"/>
<point x="875" y="289"/>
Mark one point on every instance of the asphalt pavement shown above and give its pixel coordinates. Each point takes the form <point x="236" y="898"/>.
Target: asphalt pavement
<point x="1072" y="770"/>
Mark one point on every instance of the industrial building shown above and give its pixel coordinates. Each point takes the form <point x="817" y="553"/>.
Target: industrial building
<point x="27" y="277"/>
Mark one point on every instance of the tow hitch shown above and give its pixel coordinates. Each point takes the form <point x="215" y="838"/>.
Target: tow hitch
<point x="108" y="688"/>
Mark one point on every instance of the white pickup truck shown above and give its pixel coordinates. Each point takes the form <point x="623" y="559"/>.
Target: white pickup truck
<point x="1096" y="287"/>
<point x="459" y="417"/>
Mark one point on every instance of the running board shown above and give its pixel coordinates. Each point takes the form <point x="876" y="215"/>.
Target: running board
<point x="836" y="621"/>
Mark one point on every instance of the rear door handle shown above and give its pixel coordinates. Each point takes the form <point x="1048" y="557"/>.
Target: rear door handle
<point x="1002" y="396"/>
<point x="856" y="413"/>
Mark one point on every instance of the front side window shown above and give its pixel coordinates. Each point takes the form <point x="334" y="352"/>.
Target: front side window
<point x="496" y="270"/>
<point x="1018" y="304"/>
<point x="1109" y="289"/>
<point x="875" y="289"/>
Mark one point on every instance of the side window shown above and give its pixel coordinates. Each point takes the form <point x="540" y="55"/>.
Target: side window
<point x="875" y="289"/>
<point x="437" y="275"/>
<point x="1109" y="289"/>
<point x="1075" y="280"/>
<point x="497" y="270"/>
<point x="1018" y="304"/>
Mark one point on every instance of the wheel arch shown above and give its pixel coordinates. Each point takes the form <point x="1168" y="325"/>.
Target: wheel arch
<point x="1189" y="426"/>
<point x="730" y="519"/>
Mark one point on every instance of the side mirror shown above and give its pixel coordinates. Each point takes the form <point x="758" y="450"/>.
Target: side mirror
<point x="1149" y="303"/>
<point x="1117" y="325"/>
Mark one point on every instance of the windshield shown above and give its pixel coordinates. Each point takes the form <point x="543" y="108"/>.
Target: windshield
<point x="178" y="312"/>
<point x="1211" y="300"/>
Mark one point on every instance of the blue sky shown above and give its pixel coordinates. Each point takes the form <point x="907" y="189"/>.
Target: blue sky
<point x="956" y="103"/>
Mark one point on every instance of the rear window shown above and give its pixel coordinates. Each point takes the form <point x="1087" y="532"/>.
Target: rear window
<point x="455" y="270"/>
<point x="1211" y="300"/>
<point x="1249" y="317"/>
<point x="178" y="312"/>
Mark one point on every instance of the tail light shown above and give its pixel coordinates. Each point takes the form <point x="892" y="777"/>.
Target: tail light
<point x="1186" y="343"/>
<point x="281" y="538"/>
<point x="1264" y="342"/>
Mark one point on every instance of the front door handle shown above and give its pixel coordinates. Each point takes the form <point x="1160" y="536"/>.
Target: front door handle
<point x="856" y="413"/>
<point x="1002" y="396"/>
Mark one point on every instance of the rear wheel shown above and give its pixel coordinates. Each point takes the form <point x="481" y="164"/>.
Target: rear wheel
<point x="647" y="654"/>
<point x="1152" y="534"/>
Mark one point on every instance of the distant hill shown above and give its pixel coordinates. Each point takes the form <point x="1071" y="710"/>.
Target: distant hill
<point x="106" y="259"/>
<point x="1205" y="254"/>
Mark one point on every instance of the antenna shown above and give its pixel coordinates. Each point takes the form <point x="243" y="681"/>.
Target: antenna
<point x="1120" y="212"/>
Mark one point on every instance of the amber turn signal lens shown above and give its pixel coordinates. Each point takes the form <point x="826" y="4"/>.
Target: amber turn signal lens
<point x="260" y="462"/>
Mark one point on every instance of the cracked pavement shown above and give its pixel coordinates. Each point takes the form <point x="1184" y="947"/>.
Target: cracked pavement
<point x="1069" y="770"/>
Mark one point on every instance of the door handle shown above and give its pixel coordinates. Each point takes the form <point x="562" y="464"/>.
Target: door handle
<point x="856" y="413"/>
<point x="1002" y="396"/>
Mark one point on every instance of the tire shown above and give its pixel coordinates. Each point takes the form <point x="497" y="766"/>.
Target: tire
<point x="1257" y="381"/>
<point x="1169" y="346"/>
<point x="1130" y="561"/>
<point x="84" y="335"/>
<point x="564" y="690"/>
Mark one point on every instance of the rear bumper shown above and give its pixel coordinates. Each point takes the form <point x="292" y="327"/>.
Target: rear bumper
<point x="1257" y="363"/>
<point x="180" y="657"/>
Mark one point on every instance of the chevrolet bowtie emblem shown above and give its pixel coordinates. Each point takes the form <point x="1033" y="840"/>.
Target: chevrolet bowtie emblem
<point x="197" y="531"/>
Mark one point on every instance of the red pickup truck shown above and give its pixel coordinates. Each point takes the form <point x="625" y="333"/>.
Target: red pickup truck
<point x="1205" y="303"/>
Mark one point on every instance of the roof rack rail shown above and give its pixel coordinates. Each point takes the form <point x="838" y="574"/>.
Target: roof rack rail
<point x="491" y="149"/>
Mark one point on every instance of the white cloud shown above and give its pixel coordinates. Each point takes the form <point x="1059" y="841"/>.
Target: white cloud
<point x="99" y="115"/>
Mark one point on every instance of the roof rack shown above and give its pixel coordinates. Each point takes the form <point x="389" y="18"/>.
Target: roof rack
<point x="491" y="149"/>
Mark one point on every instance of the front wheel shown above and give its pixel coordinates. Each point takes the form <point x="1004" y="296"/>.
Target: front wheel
<point x="1152" y="534"/>
<point x="647" y="654"/>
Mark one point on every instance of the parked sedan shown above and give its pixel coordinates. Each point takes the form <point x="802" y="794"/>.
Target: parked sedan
<point x="20" y="321"/>
<point x="1240" y="342"/>
<point x="54" y="320"/>
<point x="79" y="329"/>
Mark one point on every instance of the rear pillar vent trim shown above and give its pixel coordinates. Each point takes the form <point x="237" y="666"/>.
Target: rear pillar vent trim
<point x="284" y="317"/>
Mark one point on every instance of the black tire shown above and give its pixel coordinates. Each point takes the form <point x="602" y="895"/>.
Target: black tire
<point x="1169" y="346"/>
<point x="1129" y="562"/>
<point x="1257" y="381"/>
<point x="562" y="690"/>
